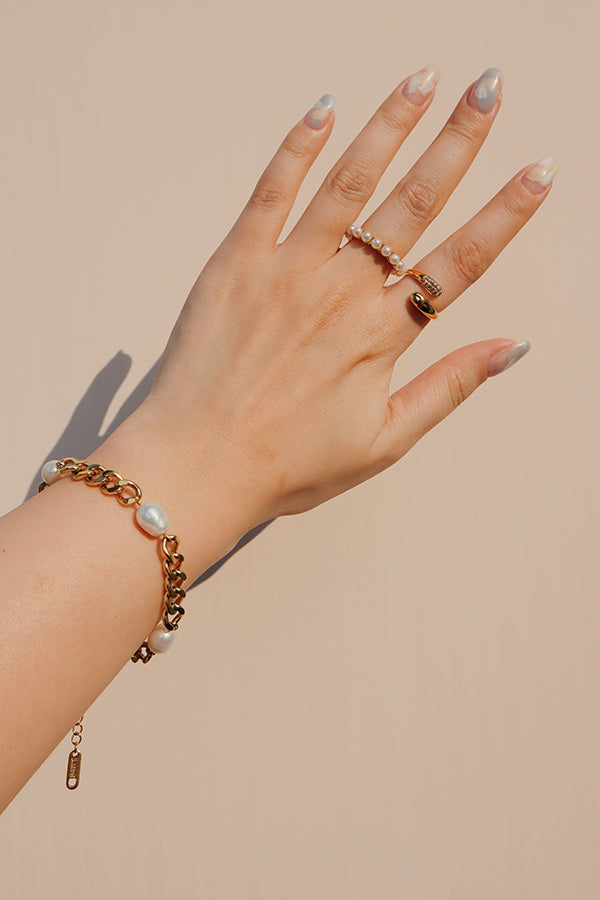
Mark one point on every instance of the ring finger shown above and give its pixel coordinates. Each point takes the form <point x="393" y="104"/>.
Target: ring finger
<point x="463" y="257"/>
<point x="418" y="198"/>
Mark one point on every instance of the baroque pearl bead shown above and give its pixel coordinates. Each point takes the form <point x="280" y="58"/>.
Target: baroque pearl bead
<point x="160" y="639"/>
<point x="50" y="472"/>
<point x="152" y="518"/>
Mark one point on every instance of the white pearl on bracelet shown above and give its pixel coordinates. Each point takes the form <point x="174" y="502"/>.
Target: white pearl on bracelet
<point x="160" y="639"/>
<point x="385" y="250"/>
<point x="366" y="237"/>
<point x="152" y="518"/>
<point x="376" y="243"/>
<point x="50" y="472"/>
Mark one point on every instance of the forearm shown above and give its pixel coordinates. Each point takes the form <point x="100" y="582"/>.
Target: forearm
<point x="81" y="588"/>
<point x="272" y="396"/>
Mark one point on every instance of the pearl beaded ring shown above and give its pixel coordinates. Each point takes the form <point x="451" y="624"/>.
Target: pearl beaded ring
<point x="355" y="231"/>
<point x="430" y="284"/>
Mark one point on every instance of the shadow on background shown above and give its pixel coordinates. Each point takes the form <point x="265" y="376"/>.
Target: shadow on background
<point x="82" y="434"/>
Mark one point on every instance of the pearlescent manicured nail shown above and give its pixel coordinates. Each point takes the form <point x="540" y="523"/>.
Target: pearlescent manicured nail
<point x="420" y="85"/>
<point x="318" y="115"/>
<point x="506" y="357"/>
<point x="538" y="176"/>
<point x="484" y="92"/>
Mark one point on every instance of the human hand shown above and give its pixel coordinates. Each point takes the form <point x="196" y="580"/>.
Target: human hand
<point x="281" y="360"/>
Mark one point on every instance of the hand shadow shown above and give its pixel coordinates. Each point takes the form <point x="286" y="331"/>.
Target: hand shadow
<point x="82" y="433"/>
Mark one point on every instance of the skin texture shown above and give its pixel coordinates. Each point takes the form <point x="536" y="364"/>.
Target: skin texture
<point x="271" y="397"/>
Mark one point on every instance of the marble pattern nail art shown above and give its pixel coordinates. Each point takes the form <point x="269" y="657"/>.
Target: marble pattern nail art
<point x="484" y="92"/>
<point x="320" y="112"/>
<point x="420" y="85"/>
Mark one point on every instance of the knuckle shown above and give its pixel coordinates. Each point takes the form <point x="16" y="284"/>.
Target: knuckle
<point x="331" y="306"/>
<point x="515" y="204"/>
<point x="294" y="148"/>
<point x="380" y="338"/>
<point x="268" y="195"/>
<point x="458" y="387"/>
<point x="349" y="182"/>
<point x="464" y="131"/>
<point x="420" y="199"/>
<point x="469" y="257"/>
<point x="379" y="334"/>
<point x="393" y="120"/>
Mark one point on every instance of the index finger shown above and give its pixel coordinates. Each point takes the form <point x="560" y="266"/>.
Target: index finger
<point x="356" y="174"/>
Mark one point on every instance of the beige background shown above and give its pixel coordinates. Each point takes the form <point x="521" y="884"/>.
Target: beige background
<point x="395" y="695"/>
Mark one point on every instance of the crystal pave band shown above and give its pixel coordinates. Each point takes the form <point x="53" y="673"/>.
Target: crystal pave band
<point x="361" y="234"/>
<point x="430" y="284"/>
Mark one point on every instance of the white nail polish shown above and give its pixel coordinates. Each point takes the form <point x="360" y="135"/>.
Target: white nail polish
<point x="420" y="85"/>
<point x="507" y="357"/>
<point x="538" y="176"/>
<point x="320" y="112"/>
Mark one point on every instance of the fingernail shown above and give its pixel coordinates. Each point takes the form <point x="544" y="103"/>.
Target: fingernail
<point x="506" y="357"/>
<point x="484" y="92"/>
<point x="318" y="115"/>
<point x="539" y="175"/>
<point x="420" y="85"/>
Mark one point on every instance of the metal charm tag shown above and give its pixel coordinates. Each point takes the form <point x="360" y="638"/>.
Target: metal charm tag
<point x="73" y="768"/>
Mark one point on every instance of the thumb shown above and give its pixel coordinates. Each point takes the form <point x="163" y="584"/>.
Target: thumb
<point x="418" y="406"/>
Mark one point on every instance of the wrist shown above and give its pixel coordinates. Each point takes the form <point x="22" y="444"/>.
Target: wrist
<point x="209" y="494"/>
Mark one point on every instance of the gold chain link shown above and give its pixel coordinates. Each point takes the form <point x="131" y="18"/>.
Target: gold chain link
<point x="77" y="729"/>
<point x="127" y="493"/>
<point x="74" y="760"/>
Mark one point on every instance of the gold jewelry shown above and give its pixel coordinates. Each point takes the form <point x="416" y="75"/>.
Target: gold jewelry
<point x="430" y="284"/>
<point x="152" y="519"/>
<point x="423" y="305"/>
<point x="367" y="237"/>
<point x="74" y="761"/>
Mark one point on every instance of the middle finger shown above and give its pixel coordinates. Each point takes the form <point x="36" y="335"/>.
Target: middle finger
<point x="352" y="180"/>
<point x="420" y="196"/>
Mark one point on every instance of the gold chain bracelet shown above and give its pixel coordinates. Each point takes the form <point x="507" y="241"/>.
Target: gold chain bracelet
<point x="152" y="519"/>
